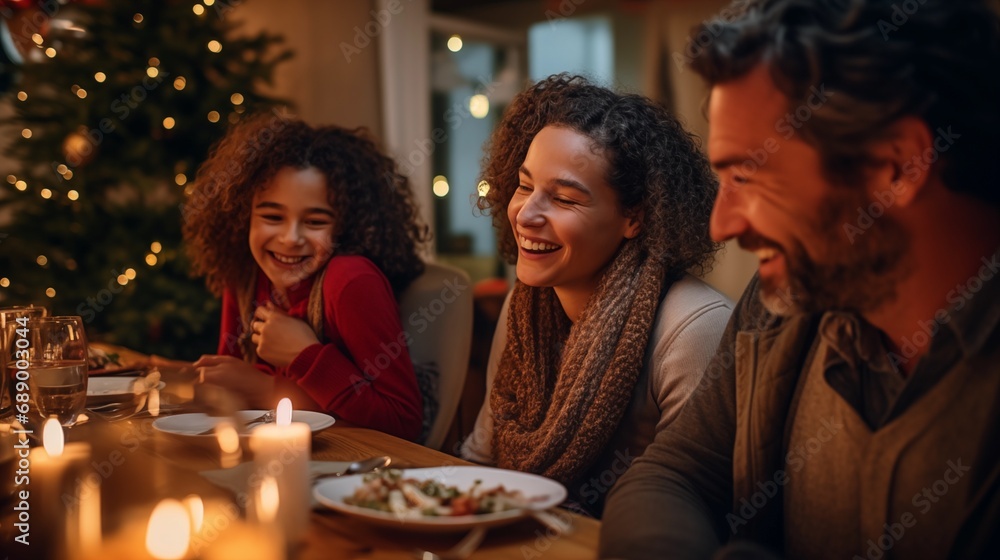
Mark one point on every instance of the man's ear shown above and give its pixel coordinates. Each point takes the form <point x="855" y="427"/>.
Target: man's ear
<point x="904" y="160"/>
<point x="633" y="224"/>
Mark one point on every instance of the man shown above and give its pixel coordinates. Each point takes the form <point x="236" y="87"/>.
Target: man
<point x="852" y="408"/>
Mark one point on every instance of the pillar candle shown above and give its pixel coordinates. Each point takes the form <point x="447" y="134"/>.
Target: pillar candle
<point x="282" y="450"/>
<point x="52" y="493"/>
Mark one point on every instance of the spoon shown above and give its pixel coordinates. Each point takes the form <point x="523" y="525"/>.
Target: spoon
<point x="359" y="467"/>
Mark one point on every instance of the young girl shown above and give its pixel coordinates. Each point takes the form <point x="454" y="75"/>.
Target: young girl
<point x="603" y="201"/>
<point x="309" y="234"/>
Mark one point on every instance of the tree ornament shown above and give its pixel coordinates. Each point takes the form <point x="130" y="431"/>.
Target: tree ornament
<point x="78" y="149"/>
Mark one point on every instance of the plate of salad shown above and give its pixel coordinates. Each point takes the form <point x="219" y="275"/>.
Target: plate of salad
<point x="441" y="499"/>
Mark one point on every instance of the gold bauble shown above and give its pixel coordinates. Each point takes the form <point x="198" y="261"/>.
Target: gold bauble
<point x="78" y="149"/>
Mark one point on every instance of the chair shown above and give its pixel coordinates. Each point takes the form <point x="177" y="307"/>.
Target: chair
<point x="436" y="312"/>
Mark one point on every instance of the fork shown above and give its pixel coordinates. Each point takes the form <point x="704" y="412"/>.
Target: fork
<point x="262" y="419"/>
<point x="462" y="550"/>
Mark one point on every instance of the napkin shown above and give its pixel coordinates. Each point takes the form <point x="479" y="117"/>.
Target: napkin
<point x="235" y="479"/>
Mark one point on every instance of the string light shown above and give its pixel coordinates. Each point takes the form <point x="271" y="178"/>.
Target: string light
<point x="155" y="247"/>
<point x="154" y="61"/>
<point x="441" y="186"/>
<point x="50" y="52"/>
<point x="122" y="279"/>
<point x="168" y="123"/>
<point x="209" y="2"/>
<point x="151" y="259"/>
<point x="26" y="133"/>
<point x="130" y="273"/>
<point x="62" y="169"/>
<point x="236" y="98"/>
<point x="189" y="189"/>
<point x="214" y="46"/>
<point x="42" y="260"/>
<point x="233" y="118"/>
<point x="36" y="38"/>
<point x="4" y="282"/>
<point x="70" y="264"/>
<point x="51" y="292"/>
<point x="21" y="185"/>
<point x="73" y="195"/>
<point x="455" y="43"/>
<point x="137" y="18"/>
<point x="22" y="96"/>
<point x="46" y="193"/>
<point x="179" y="83"/>
<point x="67" y="175"/>
<point x="152" y="72"/>
<point x="81" y="93"/>
<point x="198" y="9"/>
<point x="213" y="116"/>
<point x="11" y="179"/>
<point x="479" y="106"/>
<point x="100" y="77"/>
<point x="180" y="179"/>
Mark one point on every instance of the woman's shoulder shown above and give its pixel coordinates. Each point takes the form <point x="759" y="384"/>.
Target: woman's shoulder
<point x="691" y="303"/>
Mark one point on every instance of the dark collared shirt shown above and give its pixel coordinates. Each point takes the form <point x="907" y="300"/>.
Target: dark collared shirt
<point x="869" y="377"/>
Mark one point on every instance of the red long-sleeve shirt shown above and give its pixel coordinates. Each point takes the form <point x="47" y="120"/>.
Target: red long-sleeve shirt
<point x="363" y="372"/>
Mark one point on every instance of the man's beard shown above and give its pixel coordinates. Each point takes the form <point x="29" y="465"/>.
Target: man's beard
<point x="860" y="274"/>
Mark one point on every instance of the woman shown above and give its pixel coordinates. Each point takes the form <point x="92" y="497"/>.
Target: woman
<point x="603" y="201"/>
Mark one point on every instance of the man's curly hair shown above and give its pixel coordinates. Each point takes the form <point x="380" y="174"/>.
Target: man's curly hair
<point x="656" y="167"/>
<point x="375" y="215"/>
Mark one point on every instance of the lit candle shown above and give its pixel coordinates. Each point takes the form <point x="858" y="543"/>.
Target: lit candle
<point x="169" y="531"/>
<point x="52" y="494"/>
<point x="282" y="450"/>
<point x="260" y="541"/>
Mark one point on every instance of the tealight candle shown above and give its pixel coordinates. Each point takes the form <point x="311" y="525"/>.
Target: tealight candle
<point x="282" y="450"/>
<point x="55" y="509"/>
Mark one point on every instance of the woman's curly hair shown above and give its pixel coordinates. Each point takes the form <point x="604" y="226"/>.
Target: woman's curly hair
<point x="656" y="167"/>
<point x="375" y="215"/>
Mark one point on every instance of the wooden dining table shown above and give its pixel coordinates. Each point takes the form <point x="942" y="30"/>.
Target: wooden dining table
<point x="140" y="465"/>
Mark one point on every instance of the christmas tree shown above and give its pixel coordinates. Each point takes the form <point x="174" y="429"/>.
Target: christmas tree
<point x="116" y="103"/>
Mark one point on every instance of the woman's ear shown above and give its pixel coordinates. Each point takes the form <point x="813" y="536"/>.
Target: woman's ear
<point x="633" y="224"/>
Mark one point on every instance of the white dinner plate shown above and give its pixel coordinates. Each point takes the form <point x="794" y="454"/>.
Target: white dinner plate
<point x="102" y="390"/>
<point x="544" y="493"/>
<point x="190" y="425"/>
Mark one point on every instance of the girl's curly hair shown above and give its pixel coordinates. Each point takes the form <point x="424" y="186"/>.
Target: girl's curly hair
<point x="656" y="167"/>
<point x="375" y="215"/>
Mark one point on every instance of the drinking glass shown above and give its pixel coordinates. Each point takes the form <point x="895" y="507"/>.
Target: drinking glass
<point x="8" y="314"/>
<point x="47" y="359"/>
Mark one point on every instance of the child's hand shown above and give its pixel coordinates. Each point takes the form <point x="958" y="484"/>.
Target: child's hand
<point x="255" y="386"/>
<point x="278" y="336"/>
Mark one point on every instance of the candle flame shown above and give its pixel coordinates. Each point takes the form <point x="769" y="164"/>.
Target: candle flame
<point x="196" y="508"/>
<point x="284" y="417"/>
<point x="169" y="531"/>
<point x="52" y="437"/>
<point x="267" y="505"/>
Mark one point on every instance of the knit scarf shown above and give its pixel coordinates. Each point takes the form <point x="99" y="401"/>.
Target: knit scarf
<point x="556" y="406"/>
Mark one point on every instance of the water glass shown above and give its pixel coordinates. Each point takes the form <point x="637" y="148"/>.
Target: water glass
<point x="47" y="361"/>
<point x="7" y="315"/>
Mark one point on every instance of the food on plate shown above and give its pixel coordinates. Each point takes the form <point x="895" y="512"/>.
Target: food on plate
<point x="388" y="491"/>
<point x="99" y="359"/>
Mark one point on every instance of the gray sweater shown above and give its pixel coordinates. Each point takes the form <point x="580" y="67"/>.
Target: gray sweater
<point x="687" y="329"/>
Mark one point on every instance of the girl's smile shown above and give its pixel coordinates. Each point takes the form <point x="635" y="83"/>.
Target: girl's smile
<point x="292" y="227"/>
